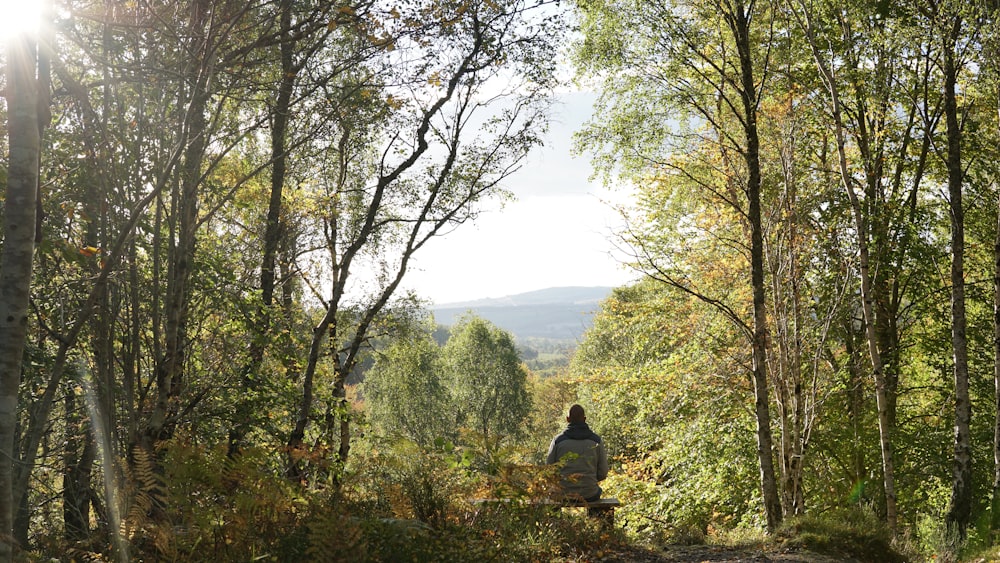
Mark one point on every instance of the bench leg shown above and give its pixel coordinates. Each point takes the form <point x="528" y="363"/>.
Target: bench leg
<point x="607" y="515"/>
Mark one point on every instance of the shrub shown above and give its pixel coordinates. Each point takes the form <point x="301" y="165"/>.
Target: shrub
<point x="850" y="533"/>
<point x="415" y="505"/>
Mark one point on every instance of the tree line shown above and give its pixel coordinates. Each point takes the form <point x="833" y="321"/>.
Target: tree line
<point x="210" y="207"/>
<point x="820" y="176"/>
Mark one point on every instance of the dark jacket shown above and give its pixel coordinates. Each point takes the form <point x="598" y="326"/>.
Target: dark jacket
<point x="585" y="461"/>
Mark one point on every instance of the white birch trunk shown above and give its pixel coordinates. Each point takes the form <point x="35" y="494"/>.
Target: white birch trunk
<point x="16" y="255"/>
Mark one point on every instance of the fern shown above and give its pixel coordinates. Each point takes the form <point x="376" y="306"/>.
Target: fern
<point x="148" y="491"/>
<point x="335" y="537"/>
<point x="82" y="556"/>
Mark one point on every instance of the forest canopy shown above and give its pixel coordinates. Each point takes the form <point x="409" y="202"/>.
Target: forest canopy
<point x="210" y="207"/>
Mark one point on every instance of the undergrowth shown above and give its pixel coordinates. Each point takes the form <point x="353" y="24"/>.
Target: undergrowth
<point x="847" y="534"/>
<point x="410" y="505"/>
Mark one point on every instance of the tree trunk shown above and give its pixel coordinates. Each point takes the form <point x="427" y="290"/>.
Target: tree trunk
<point x="170" y="365"/>
<point x="296" y="438"/>
<point x="79" y="463"/>
<point x="768" y="481"/>
<point x="24" y="100"/>
<point x="788" y="322"/>
<point x="855" y="388"/>
<point x="279" y="157"/>
<point x="273" y="230"/>
<point x="861" y="222"/>
<point x="960" y="507"/>
<point x="995" y="506"/>
<point x="882" y="397"/>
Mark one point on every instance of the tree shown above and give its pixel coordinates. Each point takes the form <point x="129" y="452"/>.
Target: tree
<point x="133" y="160"/>
<point x="405" y="391"/>
<point x="446" y="140"/>
<point x="301" y="35"/>
<point x="27" y="96"/>
<point x="489" y="384"/>
<point x="960" y="508"/>
<point x="394" y="127"/>
<point x="882" y="231"/>
<point x="990" y="77"/>
<point x="640" y="50"/>
<point x="65" y="316"/>
<point x="664" y="378"/>
<point x="800" y="309"/>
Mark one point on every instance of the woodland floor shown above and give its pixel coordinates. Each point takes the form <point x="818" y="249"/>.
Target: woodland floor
<point x="716" y="554"/>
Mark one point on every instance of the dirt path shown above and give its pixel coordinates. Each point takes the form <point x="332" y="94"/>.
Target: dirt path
<point x="715" y="554"/>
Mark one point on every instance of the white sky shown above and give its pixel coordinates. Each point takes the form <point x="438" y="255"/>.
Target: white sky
<point x="558" y="232"/>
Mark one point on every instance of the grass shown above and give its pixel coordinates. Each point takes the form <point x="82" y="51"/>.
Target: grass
<point x="848" y="534"/>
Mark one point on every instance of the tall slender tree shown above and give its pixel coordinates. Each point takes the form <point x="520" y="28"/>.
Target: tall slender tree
<point x="433" y="169"/>
<point x="884" y="386"/>
<point x="995" y="497"/>
<point x="301" y="35"/>
<point x="960" y="508"/>
<point x="27" y="109"/>
<point x="714" y="46"/>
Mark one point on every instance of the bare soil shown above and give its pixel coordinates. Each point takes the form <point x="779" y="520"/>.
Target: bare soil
<point x="716" y="554"/>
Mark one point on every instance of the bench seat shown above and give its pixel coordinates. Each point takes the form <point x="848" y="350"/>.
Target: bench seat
<point x="599" y="504"/>
<point x="604" y="508"/>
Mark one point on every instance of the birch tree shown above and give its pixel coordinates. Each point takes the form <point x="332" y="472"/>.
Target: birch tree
<point x="703" y="59"/>
<point x="27" y="96"/>
<point x="950" y="27"/>
<point x="489" y="384"/>
<point x="874" y="124"/>
<point x="453" y="106"/>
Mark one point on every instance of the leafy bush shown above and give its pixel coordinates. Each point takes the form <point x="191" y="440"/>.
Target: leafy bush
<point x="854" y="533"/>
<point x="409" y="482"/>
<point x="224" y="508"/>
<point x="402" y="503"/>
<point x="416" y="505"/>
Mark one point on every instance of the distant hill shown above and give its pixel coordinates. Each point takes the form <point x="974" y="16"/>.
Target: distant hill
<point x="560" y="313"/>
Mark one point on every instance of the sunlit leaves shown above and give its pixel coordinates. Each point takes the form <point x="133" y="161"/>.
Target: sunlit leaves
<point x="664" y="380"/>
<point x="490" y="384"/>
<point x="406" y="392"/>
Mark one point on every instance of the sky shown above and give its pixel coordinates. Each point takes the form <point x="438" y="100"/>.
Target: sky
<point x="559" y="230"/>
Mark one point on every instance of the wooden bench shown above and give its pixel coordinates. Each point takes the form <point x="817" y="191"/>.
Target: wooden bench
<point x="602" y="508"/>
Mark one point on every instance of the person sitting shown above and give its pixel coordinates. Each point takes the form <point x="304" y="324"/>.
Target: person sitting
<point x="584" y="458"/>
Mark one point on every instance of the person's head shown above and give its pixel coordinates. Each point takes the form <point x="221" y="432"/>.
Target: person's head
<point x="576" y="414"/>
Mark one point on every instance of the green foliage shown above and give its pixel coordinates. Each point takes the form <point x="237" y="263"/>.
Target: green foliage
<point x="692" y="469"/>
<point x="405" y="393"/>
<point x="852" y="534"/>
<point x="413" y="483"/>
<point x="670" y="410"/>
<point x="666" y="123"/>
<point x="472" y="391"/>
<point x="662" y="375"/>
<point x="551" y="396"/>
<point x="415" y="504"/>
<point x="488" y="382"/>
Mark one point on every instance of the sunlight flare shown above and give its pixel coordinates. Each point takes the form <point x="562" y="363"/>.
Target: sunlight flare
<point x="19" y="16"/>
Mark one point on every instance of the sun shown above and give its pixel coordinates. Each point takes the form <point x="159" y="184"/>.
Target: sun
<point x="19" y="16"/>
